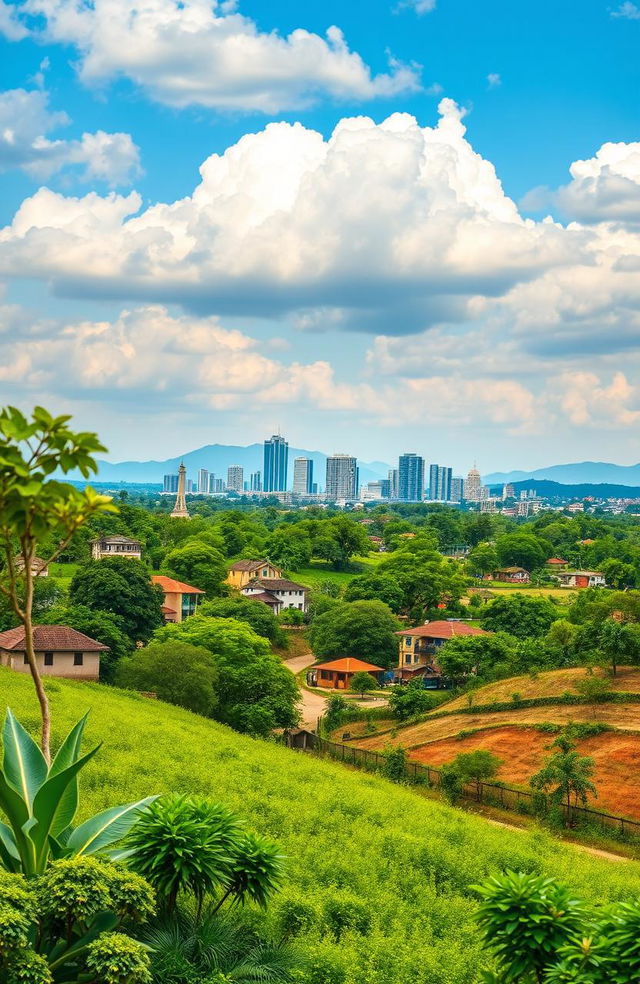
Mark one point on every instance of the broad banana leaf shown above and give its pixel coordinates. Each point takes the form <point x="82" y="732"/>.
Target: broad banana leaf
<point x="24" y="765"/>
<point x="68" y="753"/>
<point x="106" y="828"/>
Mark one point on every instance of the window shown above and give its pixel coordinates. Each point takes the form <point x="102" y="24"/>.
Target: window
<point x="78" y="659"/>
<point x="48" y="659"/>
<point x="265" y="572"/>
<point x="407" y="641"/>
<point x="26" y="661"/>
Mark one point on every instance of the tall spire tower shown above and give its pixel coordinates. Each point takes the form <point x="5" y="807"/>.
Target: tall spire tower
<point x="180" y="508"/>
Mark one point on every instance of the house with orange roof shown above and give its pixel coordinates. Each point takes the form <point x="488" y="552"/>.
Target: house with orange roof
<point x="557" y="564"/>
<point x="337" y="674"/>
<point x="180" y="599"/>
<point x="419" y="648"/>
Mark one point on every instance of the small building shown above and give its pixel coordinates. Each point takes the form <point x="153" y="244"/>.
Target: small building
<point x="288" y="594"/>
<point x="180" y="600"/>
<point x="511" y="575"/>
<point x="244" y="571"/>
<point x="419" y="647"/>
<point x="116" y="546"/>
<point x="38" y="567"/>
<point x="556" y="564"/>
<point x="337" y="674"/>
<point x="581" y="579"/>
<point x="59" y="651"/>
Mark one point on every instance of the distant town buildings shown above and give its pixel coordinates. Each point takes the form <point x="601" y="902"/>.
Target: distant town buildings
<point x="473" y="488"/>
<point x="276" y="460"/>
<point x="440" y="483"/>
<point x="302" y="476"/>
<point x="255" y="483"/>
<point x="235" y="478"/>
<point x="342" y="478"/>
<point x="170" y="484"/>
<point x="203" y="480"/>
<point x="410" y="477"/>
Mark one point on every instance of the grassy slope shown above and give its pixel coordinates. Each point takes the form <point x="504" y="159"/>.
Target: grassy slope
<point x="319" y="571"/>
<point x="406" y="861"/>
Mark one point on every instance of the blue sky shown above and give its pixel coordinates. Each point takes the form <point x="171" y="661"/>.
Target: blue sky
<point x="375" y="292"/>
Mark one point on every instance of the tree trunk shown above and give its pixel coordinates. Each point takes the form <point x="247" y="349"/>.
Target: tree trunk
<point x="43" y="700"/>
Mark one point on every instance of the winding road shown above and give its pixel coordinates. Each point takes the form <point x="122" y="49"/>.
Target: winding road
<point x="313" y="705"/>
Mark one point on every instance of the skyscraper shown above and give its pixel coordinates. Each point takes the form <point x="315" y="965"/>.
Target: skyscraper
<point x="276" y="460"/>
<point x="302" y="476"/>
<point x="440" y="479"/>
<point x="170" y="483"/>
<point x="473" y="486"/>
<point x="256" y="481"/>
<point x="203" y="480"/>
<point x="342" y="477"/>
<point x="393" y="483"/>
<point x="457" y="485"/>
<point x="410" y="477"/>
<point x="212" y="482"/>
<point x="180" y="507"/>
<point x="235" y="478"/>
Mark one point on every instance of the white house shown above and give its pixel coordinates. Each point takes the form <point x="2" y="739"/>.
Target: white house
<point x="287" y="594"/>
<point x="116" y="546"/>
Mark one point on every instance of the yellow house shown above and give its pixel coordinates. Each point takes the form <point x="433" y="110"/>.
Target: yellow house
<point x="244" y="571"/>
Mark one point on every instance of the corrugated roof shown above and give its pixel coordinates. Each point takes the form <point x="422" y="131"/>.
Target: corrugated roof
<point x="51" y="638"/>
<point x="168" y="585"/>
<point x="443" y="630"/>
<point x="349" y="665"/>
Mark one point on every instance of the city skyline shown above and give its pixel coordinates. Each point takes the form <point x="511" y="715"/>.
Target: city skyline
<point x="381" y="234"/>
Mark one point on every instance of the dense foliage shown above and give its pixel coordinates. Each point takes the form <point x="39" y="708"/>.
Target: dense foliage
<point x="120" y="586"/>
<point x="363" y="629"/>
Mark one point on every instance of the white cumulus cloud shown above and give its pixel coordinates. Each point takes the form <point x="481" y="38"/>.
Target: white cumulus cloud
<point x="25" y="121"/>
<point x="202" y="52"/>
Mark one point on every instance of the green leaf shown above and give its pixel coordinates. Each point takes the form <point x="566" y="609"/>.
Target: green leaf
<point x="106" y="828"/>
<point x="24" y="765"/>
<point x="9" y="854"/>
<point x="47" y="801"/>
<point x="68" y="753"/>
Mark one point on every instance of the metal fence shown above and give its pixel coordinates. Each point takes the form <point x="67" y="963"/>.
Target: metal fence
<point x="488" y="793"/>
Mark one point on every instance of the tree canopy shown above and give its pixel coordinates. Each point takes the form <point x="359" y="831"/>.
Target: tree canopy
<point x="198" y="564"/>
<point x="176" y="672"/>
<point x="363" y="629"/>
<point x="123" y="587"/>
<point x="520" y="615"/>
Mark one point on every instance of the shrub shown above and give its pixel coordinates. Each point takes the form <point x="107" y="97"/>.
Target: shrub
<point x="395" y="764"/>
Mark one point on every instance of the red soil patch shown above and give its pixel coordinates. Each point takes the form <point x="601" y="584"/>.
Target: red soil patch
<point x="523" y="751"/>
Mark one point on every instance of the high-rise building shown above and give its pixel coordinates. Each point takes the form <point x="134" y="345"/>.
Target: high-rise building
<point x="212" y="482"/>
<point x="218" y="485"/>
<point x="170" y="484"/>
<point x="410" y="477"/>
<point x="342" y="477"/>
<point x="473" y="486"/>
<point x="256" y="481"/>
<point x="203" y="480"/>
<point x="180" y="507"/>
<point x="189" y="485"/>
<point x="385" y="488"/>
<point x="393" y="483"/>
<point x="440" y="479"/>
<point x="235" y="478"/>
<point x="302" y="476"/>
<point x="457" y="486"/>
<point x="276" y="460"/>
<point x="508" y="491"/>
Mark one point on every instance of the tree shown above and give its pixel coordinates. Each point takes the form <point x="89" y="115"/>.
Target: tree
<point x="255" y="613"/>
<point x="426" y="578"/>
<point x="619" y="643"/>
<point x="483" y="559"/>
<point x="339" y="540"/>
<point x="106" y="627"/>
<point x="566" y="776"/>
<point x="520" y="615"/>
<point x="176" y="672"/>
<point x="478" y="766"/>
<point x="123" y="587"/>
<point x="593" y="688"/>
<point x="363" y="629"/>
<point x="290" y="547"/>
<point x="363" y="683"/>
<point x="255" y="692"/>
<point x="198" y="564"/>
<point x="522" y="550"/>
<point x="619" y="574"/>
<point x="411" y="700"/>
<point x="36" y="509"/>
<point x="372" y="587"/>
<point x="466" y="656"/>
<point x="561" y="638"/>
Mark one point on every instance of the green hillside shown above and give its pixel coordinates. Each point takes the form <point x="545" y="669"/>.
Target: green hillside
<point x="378" y="876"/>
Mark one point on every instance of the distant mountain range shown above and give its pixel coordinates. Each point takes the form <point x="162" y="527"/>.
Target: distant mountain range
<point x="582" y="472"/>
<point x="217" y="458"/>
<point x="579" y="490"/>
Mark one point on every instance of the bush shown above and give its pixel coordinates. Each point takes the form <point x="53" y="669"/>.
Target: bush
<point x="395" y="764"/>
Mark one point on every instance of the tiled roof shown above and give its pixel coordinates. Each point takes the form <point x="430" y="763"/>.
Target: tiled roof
<point x="118" y="538"/>
<point x="557" y="560"/>
<point x="511" y="570"/>
<point x="248" y="565"/>
<point x="170" y="586"/>
<point x="266" y="597"/>
<point x="274" y="584"/>
<point x="443" y="630"/>
<point x="51" y="638"/>
<point x="349" y="665"/>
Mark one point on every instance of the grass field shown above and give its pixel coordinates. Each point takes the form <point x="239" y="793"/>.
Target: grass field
<point x="550" y="684"/>
<point x="563" y="595"/>
<point x="378" y="876"/>
<point x="319" y="571"/>
<point x="616" y="758"/>
<point x="63" y="574"/>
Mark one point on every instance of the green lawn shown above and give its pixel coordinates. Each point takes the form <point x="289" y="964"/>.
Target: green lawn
<point x="63" y="574"/>
<point x="319" y="571"/>
<point x="378" y="876"/>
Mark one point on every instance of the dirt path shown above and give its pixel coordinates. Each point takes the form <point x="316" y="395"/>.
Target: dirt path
<point x="598" y="852"/>
<point x="313" y="705"/>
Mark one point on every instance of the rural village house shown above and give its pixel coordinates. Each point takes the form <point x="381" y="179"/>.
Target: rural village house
<point x="180" y="600"/>
<point x="511" y="575"/>
<point x="581" y="579"/>
<point x="244" y="571"/>
<point x="116" y="546"/>
<point x="419" y="647"/>
<point x="59" y="650"/>
<point x="337" y="674"/>
<point x="277" y="592"/>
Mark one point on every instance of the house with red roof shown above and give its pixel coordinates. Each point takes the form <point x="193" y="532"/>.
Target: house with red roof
<point x="59" y="651"/>
<point x="180" y="599"/>
<point x="557" y="564"/>
<point x="337" y="674"/>
<point x="419" y="648"/>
